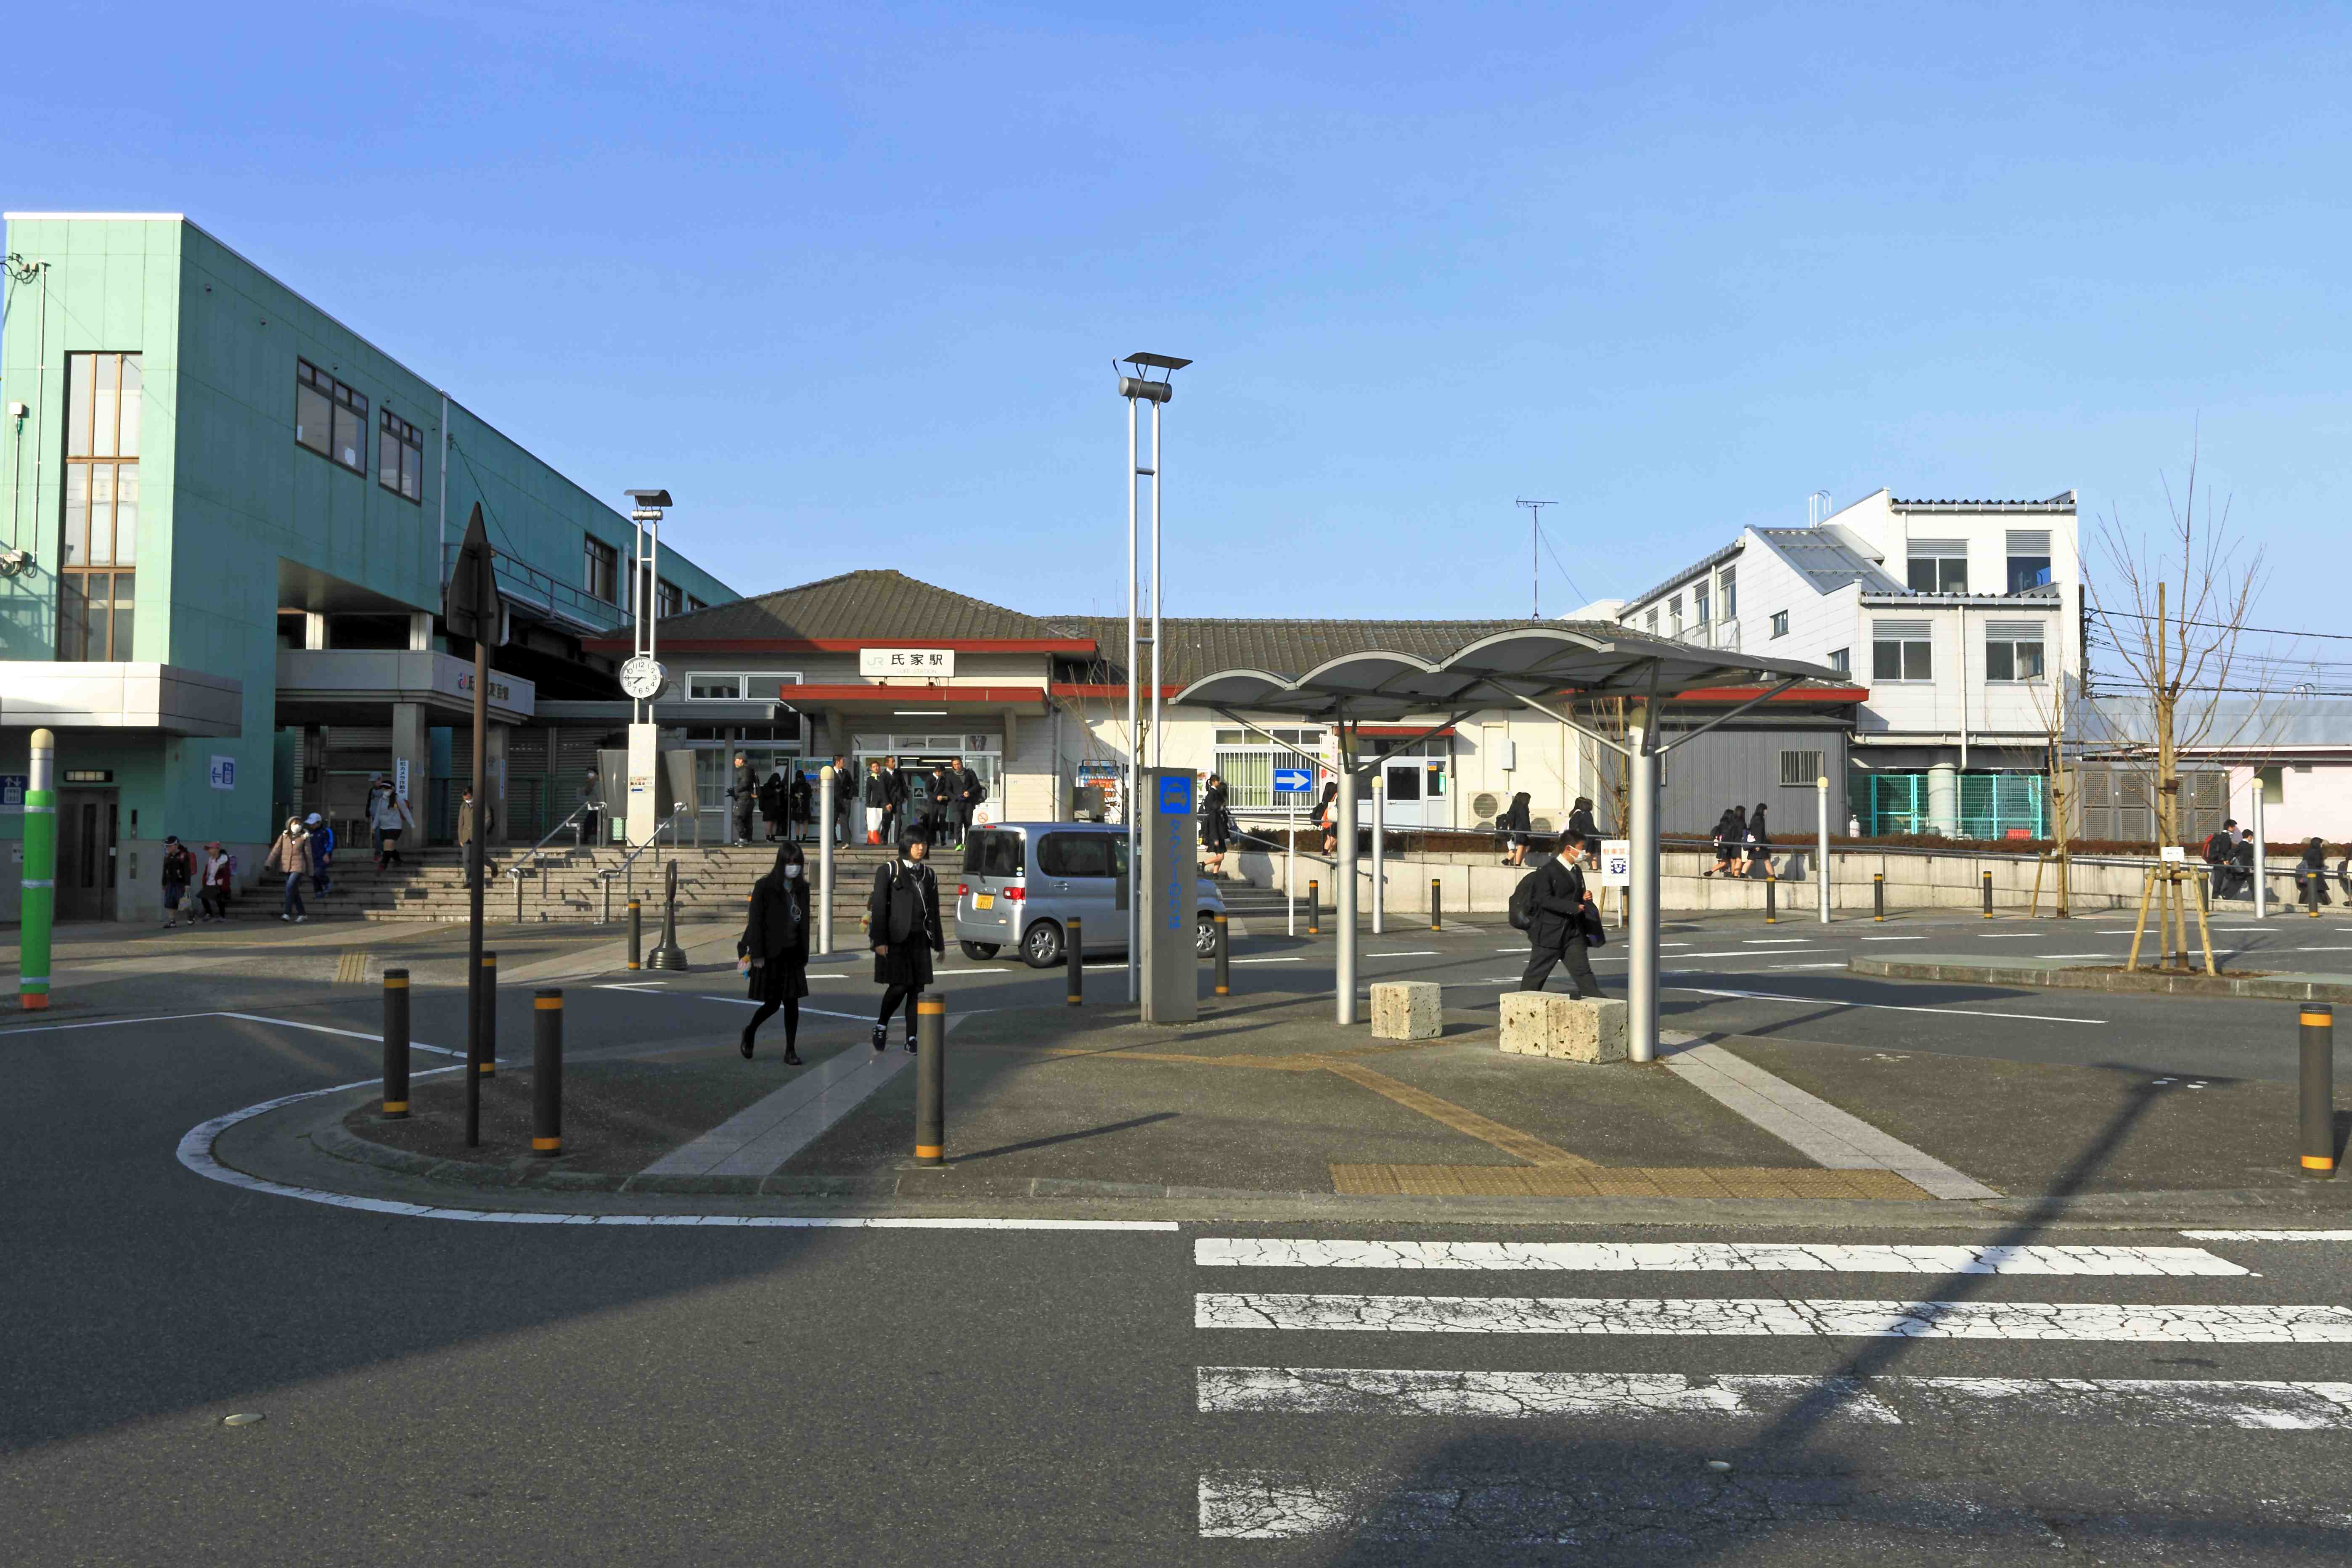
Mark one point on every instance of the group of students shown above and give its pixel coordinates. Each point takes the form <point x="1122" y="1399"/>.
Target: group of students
<point x="1743" y="846"/>
<point x="2231" y="856"/>
<point x="904" y="923"/>
<point x="941" y="811"/>
<point x="1517" y="828"/>
<point x="211" y="873"/>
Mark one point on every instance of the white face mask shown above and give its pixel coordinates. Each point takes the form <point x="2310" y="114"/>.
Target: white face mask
<point x="790" y="872"/>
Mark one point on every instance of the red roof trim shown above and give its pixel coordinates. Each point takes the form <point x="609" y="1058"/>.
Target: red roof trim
<point x="1401" y="731"/>
<point x="1082" y="690"/>
<point x="852" y="645"/>
<point x="957" y="695"/>
<point x="1749" y="693"/>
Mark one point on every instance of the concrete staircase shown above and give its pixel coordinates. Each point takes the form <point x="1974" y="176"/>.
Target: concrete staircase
<point x="566" y="886"/>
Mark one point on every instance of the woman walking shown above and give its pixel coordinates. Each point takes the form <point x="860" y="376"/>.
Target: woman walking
<point x="2311" y="874"/>
<point x="290" y="857"/>
<point x="902" y="922"/>
<point x="1515" y="824"/>
<point x="799" y="800"/>
<point x="776" y="945"/>
<point x="388" y="817"/>
<point x="1216" y="827"/>
<point x="179" y="872"/>
<point x="1760" y="843"/>
<point x="219" y="873"/>
<point x="1582" y="831"/>
<point x="1730" y="835"/>
<point x="771" y="803"/>
<point x="1327" y="816"/>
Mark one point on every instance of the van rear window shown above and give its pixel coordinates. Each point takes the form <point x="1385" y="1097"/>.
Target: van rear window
<point x="993" y="854"/>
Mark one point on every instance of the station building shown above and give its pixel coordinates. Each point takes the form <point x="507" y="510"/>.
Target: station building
<point x="229" y="520"/>
<point x="873" y="664"/>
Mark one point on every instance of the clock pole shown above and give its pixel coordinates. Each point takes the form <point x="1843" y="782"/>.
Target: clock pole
<point x="643" y="677"/>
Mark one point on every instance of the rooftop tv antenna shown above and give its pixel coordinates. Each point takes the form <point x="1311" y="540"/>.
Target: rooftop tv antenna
<point x="1534" y="547"/>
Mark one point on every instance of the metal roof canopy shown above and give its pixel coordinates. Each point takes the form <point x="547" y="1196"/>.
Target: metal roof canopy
<point x="1507" y="670"/>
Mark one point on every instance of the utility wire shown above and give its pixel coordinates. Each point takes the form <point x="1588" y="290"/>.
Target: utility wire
<point x="1555" y="560"/>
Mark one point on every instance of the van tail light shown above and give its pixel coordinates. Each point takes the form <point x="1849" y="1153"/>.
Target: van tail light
<point x="1014" y="895"/>
<point x="961" y="889"/>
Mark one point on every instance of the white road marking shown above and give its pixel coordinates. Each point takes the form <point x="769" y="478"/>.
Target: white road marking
<point x="2268" y="1234"/>
<point x="1776" y="941"/>
<point x="2136" y="1401"/>
<point x="1879" y="1006"/>
<point x="1778" y="966"/>
<point x="1894" y="939"/>
<point x="1265" y="961"/>
<point x="196" y="1152"/>
<point x="758" y="1139"/>
<point x="1773" y="1317"/>
<point x="1735" y="953"/>
<point x="1706" y="1256"/>
<point x="2320" y="950"/>
<point x="248" y="1017"/>
<point x="1408" y="953"/>
<point x="1332" y="1391"/>
<point x="2007" y="935"/>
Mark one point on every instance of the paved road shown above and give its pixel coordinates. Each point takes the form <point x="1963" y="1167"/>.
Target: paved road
<point x="529" y="1394"/>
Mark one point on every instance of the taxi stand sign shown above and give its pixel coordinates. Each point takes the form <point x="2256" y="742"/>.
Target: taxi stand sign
<point x="1616" y="868"/>
<point x="1168" y="899"/>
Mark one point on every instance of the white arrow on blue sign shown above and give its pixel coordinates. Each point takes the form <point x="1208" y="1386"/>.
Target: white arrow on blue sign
<point x="1293" y="781"/>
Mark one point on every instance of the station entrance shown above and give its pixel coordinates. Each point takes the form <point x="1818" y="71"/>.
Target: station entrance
<point x="919" y="754"/>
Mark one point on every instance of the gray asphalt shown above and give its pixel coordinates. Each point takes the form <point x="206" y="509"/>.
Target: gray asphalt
<point x="510" y="1394"/>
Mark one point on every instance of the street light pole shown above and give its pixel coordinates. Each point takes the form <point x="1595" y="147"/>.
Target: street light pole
<point x="1139" y="384"/>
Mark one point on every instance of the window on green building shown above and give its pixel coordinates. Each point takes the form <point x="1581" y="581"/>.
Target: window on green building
<point x="399" y="457"/>
<point x="601" y="573"/>
<point x="103" y="403"/>
<point x="330" y="418"/>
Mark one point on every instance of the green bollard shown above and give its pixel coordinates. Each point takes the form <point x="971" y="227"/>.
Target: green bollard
<point x="40" y="886"/>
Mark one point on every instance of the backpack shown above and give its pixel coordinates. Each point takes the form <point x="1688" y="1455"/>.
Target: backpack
<point x="902" y="908"/>
<point x="1523" y="898"/>
<point x="979" y="789"/>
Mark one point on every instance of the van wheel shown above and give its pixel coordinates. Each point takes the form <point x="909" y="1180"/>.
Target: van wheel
<point x="1205" y="937"/>
<point x="1041" y="945"/>
<point x="977" y="949"/>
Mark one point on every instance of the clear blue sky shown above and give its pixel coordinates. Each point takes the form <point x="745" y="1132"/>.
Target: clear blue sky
<point x="849" y="279"/>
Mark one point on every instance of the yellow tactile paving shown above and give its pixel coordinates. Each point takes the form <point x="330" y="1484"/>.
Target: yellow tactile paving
<point x="1509" y="1140"/>
<point x="1644" y="1182"/>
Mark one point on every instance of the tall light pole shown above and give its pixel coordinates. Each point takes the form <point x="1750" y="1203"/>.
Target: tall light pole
<point x="1136" y="384"/>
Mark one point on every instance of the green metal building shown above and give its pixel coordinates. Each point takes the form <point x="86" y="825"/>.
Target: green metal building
<point x="228" y="521"/>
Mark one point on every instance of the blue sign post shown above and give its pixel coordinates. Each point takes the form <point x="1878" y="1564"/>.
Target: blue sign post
<point x="1168" y="898"/>
<point x="1293" y="781"/>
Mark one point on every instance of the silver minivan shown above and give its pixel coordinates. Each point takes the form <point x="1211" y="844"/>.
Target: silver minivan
<point x="1022" y="881"/>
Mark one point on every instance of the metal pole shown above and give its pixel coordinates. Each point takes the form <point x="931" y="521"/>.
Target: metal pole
<point x="475" y="1001"/>
<point x="1822" y="784"/>
<point x="1223" y="956"/>
<point x="1155" y="585"/>
<point x="930" y="1080"/>
<point x="2319" y="1140"/>
<point x="2261" y="856"/>
<point x="1134" y="751"/>
<point x="1379" y="822"/>
<point x="825" y="785"/>
<point x="1878" y="895"/>
<point x="1988" y="895"/>
<point x="1641" y="811"/>
<point x="547" y="1073"/>
<point x="636" y="933"/>
<point x="1314" y="906"/>
<point x="39" y="899"/>
<point x="395" y="1044"/>
<point x="1436" y="904"/>
<point x="1074" y="959"/>
<point x="1345" y="876"/>
<point x="1290" y="875"/>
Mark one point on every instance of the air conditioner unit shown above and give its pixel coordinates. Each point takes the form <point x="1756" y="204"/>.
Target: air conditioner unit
<point x="1484" y="804"/>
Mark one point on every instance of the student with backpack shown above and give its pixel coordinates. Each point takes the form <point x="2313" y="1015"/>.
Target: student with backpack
<point x="322" y="854"/>
<point x="179" y="872"/>
<point x="1551" y="905"/>
<point x="902" y="922"/>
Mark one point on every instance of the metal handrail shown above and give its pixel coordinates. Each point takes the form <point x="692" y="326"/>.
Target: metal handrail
<point x="525" y="865"/>
<point x="627" y="868"/>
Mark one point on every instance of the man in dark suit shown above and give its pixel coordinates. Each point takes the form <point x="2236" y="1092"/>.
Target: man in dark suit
<point x="1555" y="900"/>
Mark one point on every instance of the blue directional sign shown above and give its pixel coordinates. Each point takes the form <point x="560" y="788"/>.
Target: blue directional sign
<point x="1293" y="781"/>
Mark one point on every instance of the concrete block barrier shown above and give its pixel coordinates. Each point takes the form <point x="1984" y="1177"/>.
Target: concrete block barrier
<point x="1567" y="1029"/>
<point x="1406" y="1010"/>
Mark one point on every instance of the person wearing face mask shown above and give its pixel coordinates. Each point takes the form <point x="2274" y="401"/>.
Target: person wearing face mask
<point x="776" y="947"/>
<point x="903" y="923"/>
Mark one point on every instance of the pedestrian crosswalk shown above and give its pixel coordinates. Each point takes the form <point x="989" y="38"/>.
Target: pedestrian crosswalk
<point x="1529" y="1362"/>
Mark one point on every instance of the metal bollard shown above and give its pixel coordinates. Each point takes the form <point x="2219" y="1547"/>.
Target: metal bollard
<point x="488" y="1065"/>
<point x="395" y="1044"/>
<point x="2318" y="1089"/>
<point x="2311" y="891"/>
<point x="1878" y="895"/>
<point x="930" y="1080"/>
<point x="1314" y="899"/>
<point x="547" y="1073"/>
<point x="1074" y="957"/>
<point x="1436" y="904"/>
<point x="636" y="933"/>
<point x="1771" y="898"/>
<point x="1988" y="895"/>
<point x="1224" y="958"/>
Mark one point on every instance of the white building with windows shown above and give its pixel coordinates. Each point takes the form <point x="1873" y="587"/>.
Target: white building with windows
<point x="1962" y="617"/>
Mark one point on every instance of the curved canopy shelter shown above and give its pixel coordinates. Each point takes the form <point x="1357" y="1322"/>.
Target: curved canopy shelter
<point x="1520" y="668"/>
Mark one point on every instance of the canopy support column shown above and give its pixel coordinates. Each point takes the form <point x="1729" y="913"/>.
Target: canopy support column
<point x="1642" y="809"/>
<point x="1344" y="874"/>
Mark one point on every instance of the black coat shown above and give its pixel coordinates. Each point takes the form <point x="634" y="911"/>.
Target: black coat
<point x="906" y="963"/>
<point x="772" y="797"/>
<point x="801" y="795"/>
<point x="777" y="933"/>
<point x="876" y="791"/>
<point x="1556" y="909"/>
<point x="745" y="791"/>
<point x="968" y="791"/>
<point x="1579" y="822"/>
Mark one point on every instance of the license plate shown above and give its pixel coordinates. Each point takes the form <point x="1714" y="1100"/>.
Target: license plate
<point x="983" y="900"/>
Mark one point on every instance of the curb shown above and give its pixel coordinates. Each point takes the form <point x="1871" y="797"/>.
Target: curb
<point x="529" y="1185"/>
<point x="2272" y="987"/>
